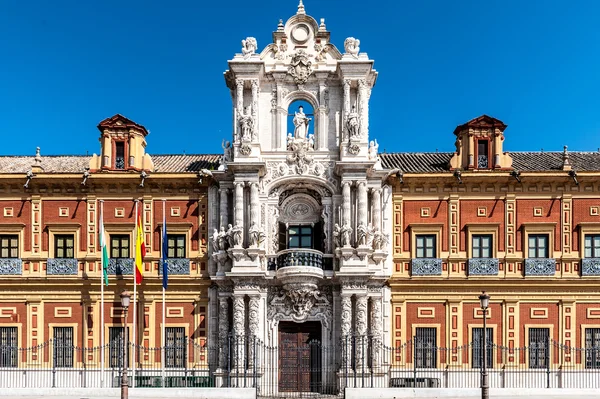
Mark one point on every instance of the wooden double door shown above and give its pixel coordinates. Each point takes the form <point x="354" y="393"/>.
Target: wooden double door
<point x="300" y="354"/>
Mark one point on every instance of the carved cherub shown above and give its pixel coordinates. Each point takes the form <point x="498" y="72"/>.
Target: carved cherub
<point x="249" y="46"/>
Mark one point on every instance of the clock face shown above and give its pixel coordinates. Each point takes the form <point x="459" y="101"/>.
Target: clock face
<point x="300" y="33"/>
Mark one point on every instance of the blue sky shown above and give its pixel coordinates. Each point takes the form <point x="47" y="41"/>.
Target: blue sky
<point x="68" y="64"/>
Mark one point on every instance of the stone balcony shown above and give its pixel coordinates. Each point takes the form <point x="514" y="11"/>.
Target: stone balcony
<point x="426" y="267"/>
<point x="590" y="267"/>
<point x="61" y="266"/>
<point x="540" y="267"/>
<point x="176" y="266"/>
<point x="11" y="266"/>
<point x="483" y="266"/>
<point x="299" y="265"/>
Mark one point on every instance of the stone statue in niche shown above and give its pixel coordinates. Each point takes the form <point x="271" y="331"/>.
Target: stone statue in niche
<point x="379" y="239"/>
<point x="301" y="122"/>
<point x="246" y="125"/>
<point x="351" y="46"/>
<point x="249" y="46"/>
<point x="256" y="236"/>
<point x="353" y="124"/>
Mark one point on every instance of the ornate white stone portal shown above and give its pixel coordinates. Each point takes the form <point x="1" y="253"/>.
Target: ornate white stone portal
<point x="300" y="222"/>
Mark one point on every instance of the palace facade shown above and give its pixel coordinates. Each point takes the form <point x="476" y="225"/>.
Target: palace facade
<point x="301" y="229"/>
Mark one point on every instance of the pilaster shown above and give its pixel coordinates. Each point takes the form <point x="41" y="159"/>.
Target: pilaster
<point x="511" y="338"/>
<point x="453" y="235"/>
<point x="510" y="266"/>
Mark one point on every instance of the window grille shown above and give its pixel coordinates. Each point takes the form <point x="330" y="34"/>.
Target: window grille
<point x="592" y="347"/>
<point x="538" y="348"/>
<point x="426" y="347"/>
<point x="175" y="347"/>
<point x="63" y="346"/>
<point x="476" y="354"/>
<point x="8" y="347"/>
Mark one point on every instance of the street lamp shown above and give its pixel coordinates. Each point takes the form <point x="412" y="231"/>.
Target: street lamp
<point x="125" y="298"/>
<point x="484" y="300"/>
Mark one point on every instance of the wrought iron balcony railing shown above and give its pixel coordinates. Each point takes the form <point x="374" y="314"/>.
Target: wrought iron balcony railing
<point x="483" y="267"/>
<point x="540" y="266"/>
<point x="11" y="266"/>
<point x="122" y="266"/>
<point x="61" y="266"/>
<point x="426" y="267"/>
<point x="300" y="257"/>
<point x="176" y="266"/>
<point x="590" y="267"/>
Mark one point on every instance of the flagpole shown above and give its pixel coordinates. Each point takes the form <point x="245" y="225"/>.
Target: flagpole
<point x="162" y="356"/>
<point x="134" y="298"/>
<point x="101" y="294"/>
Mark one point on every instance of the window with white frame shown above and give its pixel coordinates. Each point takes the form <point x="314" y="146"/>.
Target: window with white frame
<point x="482" y="246"/>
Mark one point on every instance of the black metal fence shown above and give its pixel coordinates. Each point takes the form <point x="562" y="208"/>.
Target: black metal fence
<point x="300" y="369"/>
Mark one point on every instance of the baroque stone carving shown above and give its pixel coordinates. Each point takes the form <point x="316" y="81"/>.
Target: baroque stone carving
<point x="298" y="303"/>
<point x="249" y="46"/>
<point x="245" y="149"/>
<point x="246" y="124"/>
<point x="253" y="307"/>
<point x="353" y="124"/>
<point x="353" y="149"/>
<point x="351" y="46"/>
<point x="61" y="266"/>
<point x="299" y="156"/>
<point x="483" y="267"/>
<point x="257" y="236"/>
<point x="301" y="122"/>
<point x="238" y="314"/>
<point x="223" y="330"/>
<point x="301" y="67"/>
<point x="11" y="266"/>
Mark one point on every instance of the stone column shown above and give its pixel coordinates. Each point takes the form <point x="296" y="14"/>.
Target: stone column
<point x="223" y="207"/>
<point x="376" y="208"/>
<point x="239" y="108"/>
<point x="346" y="203"/>
<point x="255" y="88"/>
<point x="239" y="318"/>
<point x="376" y="330"/>
<point x="362" y="340"/>
<point x="362" y="203"/>
<point x="223" y="331"/>
<point x="345" y="327"/>
<point x="239" y="208"/>
<point x="254" y="204"/>
<point x="363" y="107"/>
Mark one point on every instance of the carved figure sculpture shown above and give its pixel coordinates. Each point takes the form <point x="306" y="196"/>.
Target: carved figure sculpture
<point x="373" y="148"/>
<point x="311" y="141"/>
<point x="337" y="236"/>
<point x="256" y="236"/>
<point x="290" y="140"/>
<point x="345" y="234"/>
<point x="230" y="235"/>
<point x="378" y="239"/>
<point x="301" y="124"/>
<point x="351" y="46"/>
<point x="214" y="240"/>
<point x="246" y="125"/>
<point x="361" y="235"/>
<point x="249" y="46"/>
<point x="353" y="124"/>
<point x="237" y="235"/>
<point x="222" y="239"/>
<point x="227" y="151"/>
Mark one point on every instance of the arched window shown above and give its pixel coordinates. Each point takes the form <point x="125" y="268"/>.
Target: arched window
<point x="300" y="120"/>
